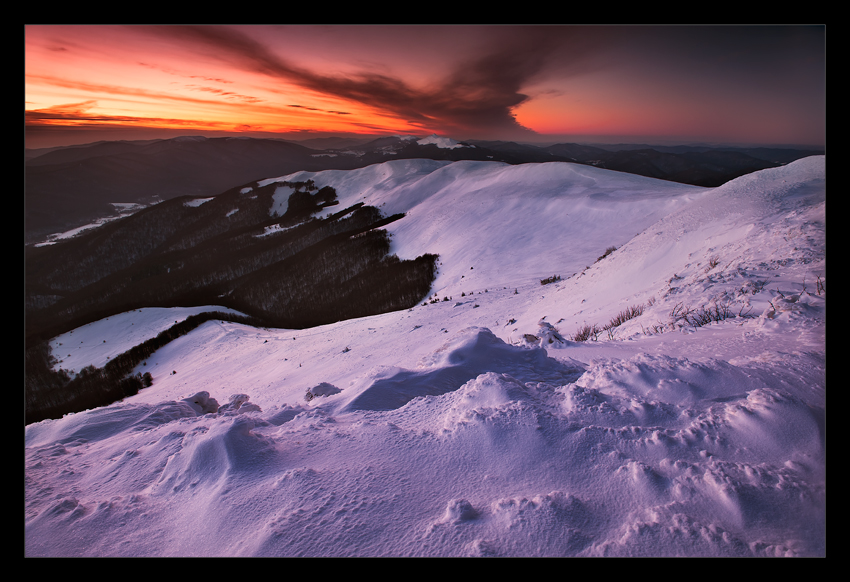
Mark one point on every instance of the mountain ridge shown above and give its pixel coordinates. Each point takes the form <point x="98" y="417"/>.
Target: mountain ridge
<point x="70" y="187"/>
<point x="688" y="421"/>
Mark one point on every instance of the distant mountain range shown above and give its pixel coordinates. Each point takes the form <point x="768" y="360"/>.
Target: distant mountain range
<point x="71" y="186"/>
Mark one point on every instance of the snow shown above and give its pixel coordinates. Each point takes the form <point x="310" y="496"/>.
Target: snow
<point x="280" y="200"/>
<point x="122" y="209"/>
<point x="273" y="229"/>
<point x="441" y="142"/>
<point x="196" y="202"/>
<point x="478" y="426"/>
<point x="553" y="213"/>
<point x="96" y="343"/>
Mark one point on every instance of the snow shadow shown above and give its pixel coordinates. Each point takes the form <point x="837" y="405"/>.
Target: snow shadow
<point x="473" y="352"/>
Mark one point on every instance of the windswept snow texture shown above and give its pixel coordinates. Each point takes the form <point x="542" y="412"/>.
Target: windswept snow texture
<point x="479" y="426"/>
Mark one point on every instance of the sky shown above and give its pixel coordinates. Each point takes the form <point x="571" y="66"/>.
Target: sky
<point x="725" y="85"/>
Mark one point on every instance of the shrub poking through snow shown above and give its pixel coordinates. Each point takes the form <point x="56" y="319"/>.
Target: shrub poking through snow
<point x="629" y="313"/>
<point x="551" y="279"/>
<point x="625" y="315"/>
<point x="586" y="332"/>
<point x="752" y="287"/>
<point x="712" y="262"/>
<point x="607" y="252"/>
<point x="719" y="309"/>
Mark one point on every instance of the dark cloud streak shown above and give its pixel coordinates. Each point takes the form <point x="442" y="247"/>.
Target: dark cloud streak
<point x="320" y="110"/>
<point x="225" y="94"/>
<point x="476" y="98"/>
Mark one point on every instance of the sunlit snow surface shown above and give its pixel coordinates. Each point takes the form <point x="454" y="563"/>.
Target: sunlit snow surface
<point x="448" y="429"/>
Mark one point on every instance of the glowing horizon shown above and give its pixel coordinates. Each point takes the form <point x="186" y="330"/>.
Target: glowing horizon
<point x="754" y="85"/>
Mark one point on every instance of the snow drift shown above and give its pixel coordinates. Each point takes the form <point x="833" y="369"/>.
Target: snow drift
<point x="480" y="426"/>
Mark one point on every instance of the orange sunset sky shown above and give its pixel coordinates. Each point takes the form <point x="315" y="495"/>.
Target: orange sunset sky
<point x="746" y="85"/>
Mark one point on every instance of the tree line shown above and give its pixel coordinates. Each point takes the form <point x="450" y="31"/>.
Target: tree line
<point x="293" y="271"/>
<point x="54" y="393"/>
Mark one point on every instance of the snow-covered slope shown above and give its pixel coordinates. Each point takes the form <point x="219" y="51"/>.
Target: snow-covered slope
<point x="477" y="426"/>
<point x="96" y="343"/>
<point x="497" y="224"/>
<point x="441" y="142"/>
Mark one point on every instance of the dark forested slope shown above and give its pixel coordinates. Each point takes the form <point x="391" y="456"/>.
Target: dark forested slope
<point x="294" y="270"/>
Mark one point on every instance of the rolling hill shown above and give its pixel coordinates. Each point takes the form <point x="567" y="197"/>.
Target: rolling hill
<point x="71" y="187"/>
<point x="604" y="365"/>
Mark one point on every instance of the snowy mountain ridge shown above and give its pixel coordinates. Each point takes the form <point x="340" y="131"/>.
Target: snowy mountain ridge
<point x="537" y="207"/>
<point x="75" y="186"/>
<point x="482" y="425"/>
<point x="441" y="142"/>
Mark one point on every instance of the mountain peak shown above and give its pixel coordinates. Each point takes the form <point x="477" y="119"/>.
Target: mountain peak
<point x="441" y="142"/>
